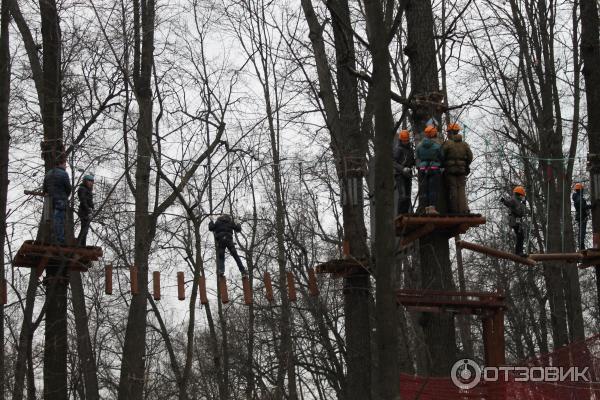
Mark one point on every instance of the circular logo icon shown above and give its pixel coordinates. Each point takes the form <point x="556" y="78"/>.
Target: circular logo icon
<point x="466" y="374"/>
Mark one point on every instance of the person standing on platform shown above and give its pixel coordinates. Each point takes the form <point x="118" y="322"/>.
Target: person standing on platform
<point x="429" y="163"/>
<point x="404" y="161"/>
<point x="457" y="162"/>
<point x="86" y="206"/>
<point x="582" y="209"/>
<point x="57" y="185"/>
<point x="518" y="211"/>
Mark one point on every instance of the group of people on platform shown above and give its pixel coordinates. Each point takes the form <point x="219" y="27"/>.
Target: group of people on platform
<point x="57" y="186"/>
<point x="448" y="163"/>
<point x="435" y="161"/>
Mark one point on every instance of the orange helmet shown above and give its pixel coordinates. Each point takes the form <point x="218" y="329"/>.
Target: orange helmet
<point x="578" y="186"/>
<point x="454" y="127"/>
<point x="404" y="136"/>
<point x="519" y="190"/>
<point x="431" y="131"/>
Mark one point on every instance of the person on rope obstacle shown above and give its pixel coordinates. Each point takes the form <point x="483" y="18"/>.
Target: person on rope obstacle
<point x="457" y="162"/>
<point x="430" y="157"/>
<point x="58" y="186"/>
<point x="223" y="230"/>
<point x="518" y="210"/>
<point x="86" y="206"/>
<point x="404" y="161"/>
<point x="582" y="209"/>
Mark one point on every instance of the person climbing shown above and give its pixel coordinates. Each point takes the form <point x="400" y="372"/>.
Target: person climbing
<point x="223" y="231"/>
<point x="86" y="205"/>
<point x="57" y="185"/>
<point x="581" y="213"/>
<point x="404" y="161"/>
<point x="457" y="161"/>
<point x="518" y="210"/>
<point x="429" y="161"/>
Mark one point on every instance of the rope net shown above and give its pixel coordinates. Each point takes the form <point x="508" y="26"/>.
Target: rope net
<point x="584" y="355"/>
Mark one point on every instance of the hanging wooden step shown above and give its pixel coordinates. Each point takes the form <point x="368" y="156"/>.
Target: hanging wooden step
<point x="411" y="227"/>
<point x="494" y="252"/>
<point x="223" y="290"/>
<point x="108" y="279"/>
<point x="313" y="288"/>
<point x="342" y="268"/>
<point x="269" y="288"/>
<point x="156" y="285"/>
<point x="291" y="283"/>
<point x="247" y="290"/>
<point x="202" y="288"/>
<point x="3" y="291"/>
<point x="40" y="256"/>
<point x="180" y="286"/>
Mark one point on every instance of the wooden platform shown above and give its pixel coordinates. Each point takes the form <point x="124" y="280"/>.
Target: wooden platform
<point x="341" y="268"/>
<point x="474" y="303"/>
<point x="40" y="256"/>
<point x="414" y="226"/>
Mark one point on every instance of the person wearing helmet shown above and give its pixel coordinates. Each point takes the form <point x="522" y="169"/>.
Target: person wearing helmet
<point x="404" y="161"/>
<point x="86" y="205"/>
<point x="518" y="210"/>
<point x="223" y="231"/>
<point x="429" y="162"/>
<point x="457" y="162"/>
<point x="57" y="185"/>
<point x="581" y="213"/>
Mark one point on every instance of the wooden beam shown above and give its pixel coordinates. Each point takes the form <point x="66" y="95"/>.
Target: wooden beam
<point x="495" y="252"/>
<point x="567" y="257"/>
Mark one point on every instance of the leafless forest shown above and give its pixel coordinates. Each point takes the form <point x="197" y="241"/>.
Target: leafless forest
<point x="264" y="110"/>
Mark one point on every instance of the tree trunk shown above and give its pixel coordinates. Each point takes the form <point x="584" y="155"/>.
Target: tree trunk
<point x="131" y="384"/>
<point x="4" y="147"/>
<point x="87" y="358"/>
<point x="590" y="54"/>
<point x="387" y="326"/>
<point x="434" y="251"/>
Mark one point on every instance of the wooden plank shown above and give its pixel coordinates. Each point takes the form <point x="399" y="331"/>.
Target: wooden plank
<point x="567" y="257"/>
<point x="291" y="286"/>
<point x="156" y="285"/>
<point x="247" y="290"/>
<point x="313" y="288"/>
<point x="417" y="233"/>
<point x="180" y="286"/>
<point x="495" y="252"/>
<point x="223" y="290"/>
<point x="269" y="288"/>
<point x="202" y="287"/>
<point x="108" y="279"/>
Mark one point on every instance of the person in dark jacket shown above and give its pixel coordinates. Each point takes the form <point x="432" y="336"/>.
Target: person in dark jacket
<point x="457" y="162"/>
<point x="429" y="162"/>
<point x="581" y="213"/>
<point x="518" y="210"/>
<point x="404" y="161"/>
<point x="86" y="206"/>
<point x="57" y="185"/>
<point x="223" y="231"/>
